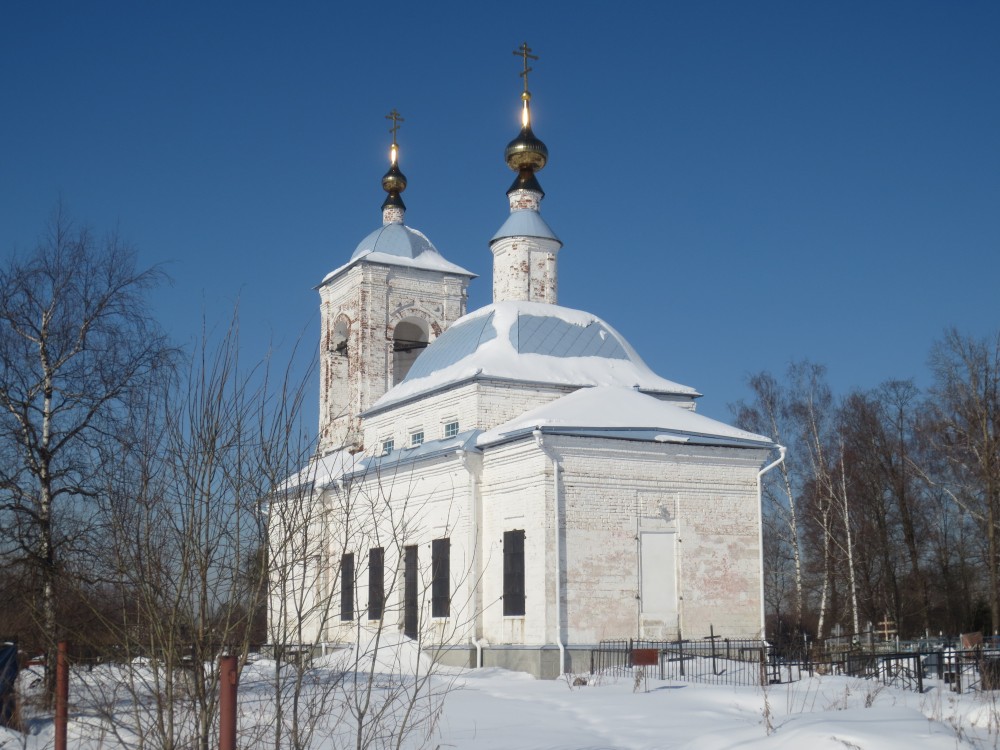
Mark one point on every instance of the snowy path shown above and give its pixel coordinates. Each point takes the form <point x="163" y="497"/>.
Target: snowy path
<point x="508" y="710"/>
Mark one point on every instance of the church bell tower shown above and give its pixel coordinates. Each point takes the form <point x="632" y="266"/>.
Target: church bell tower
<point x="394" y="296"/>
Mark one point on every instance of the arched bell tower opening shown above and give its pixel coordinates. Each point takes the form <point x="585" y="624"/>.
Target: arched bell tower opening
<point x="409" y="338"/>
<point x="339" y="336"/>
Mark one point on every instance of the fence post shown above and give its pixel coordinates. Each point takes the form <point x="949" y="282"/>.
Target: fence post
<point x="9" y="667"/>
<point x="711" y="637"/>
<point x="62" y="696"/>
<point x="229" y="680"/>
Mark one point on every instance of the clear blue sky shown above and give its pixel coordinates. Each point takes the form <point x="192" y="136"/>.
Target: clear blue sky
<point x="737" y="184"/>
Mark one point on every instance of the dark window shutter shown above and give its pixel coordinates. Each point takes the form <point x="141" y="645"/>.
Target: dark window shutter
<point x="411" y="621"/>
<point x="347" y="586"/>
<point x="513" y="572"/>
<point x="440" y="577"/>
<point x="376" y="583"/>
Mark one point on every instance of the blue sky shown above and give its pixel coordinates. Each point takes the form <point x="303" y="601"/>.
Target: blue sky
<point x="737" y="184"/>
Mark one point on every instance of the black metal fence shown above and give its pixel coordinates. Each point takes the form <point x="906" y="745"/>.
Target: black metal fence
<point x="753" y="662"/>
<point x="716" y="661"/>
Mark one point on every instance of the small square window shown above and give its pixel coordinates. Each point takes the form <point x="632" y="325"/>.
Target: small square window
<point x="416" y="438"/>
<point x="451" y="429"/>
<point x="388" y="446"/>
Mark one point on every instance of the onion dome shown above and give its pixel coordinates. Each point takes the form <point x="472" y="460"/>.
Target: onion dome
<point x="526" y="154"/>
<point x="393" y="181"/>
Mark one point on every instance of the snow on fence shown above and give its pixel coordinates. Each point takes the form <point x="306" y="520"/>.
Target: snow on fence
<point x="717" y="661"/>
<point x="754" y="662"/>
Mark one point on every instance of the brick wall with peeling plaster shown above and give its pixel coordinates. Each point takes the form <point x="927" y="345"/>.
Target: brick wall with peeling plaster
<point x="374" y="298"/>
<point x="524" y="268"/>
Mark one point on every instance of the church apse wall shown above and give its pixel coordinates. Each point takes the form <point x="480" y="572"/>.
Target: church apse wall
<point x="660" y="540"/>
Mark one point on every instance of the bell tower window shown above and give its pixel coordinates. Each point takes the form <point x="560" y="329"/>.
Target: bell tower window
<point x="338" y="338"/>
<point x="409" y="338"/>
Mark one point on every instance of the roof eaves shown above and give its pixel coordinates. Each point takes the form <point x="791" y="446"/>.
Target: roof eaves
<point x="638" y="434"/>
<point x="464" y="441"/>
<point x="385" y="260"/>
<point x="479" y="376"/>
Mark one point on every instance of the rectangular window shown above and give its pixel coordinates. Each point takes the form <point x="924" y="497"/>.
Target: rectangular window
<point x="410" y="591"/>
<point x="513" y="573"/>
<point x="416" y="438"/>
<point x="450" y="429"/>
<point x="347" y="586"/>
<point x="387" y="446"/>
<point x="376" y="583"/>
<point x="441" y="578"/>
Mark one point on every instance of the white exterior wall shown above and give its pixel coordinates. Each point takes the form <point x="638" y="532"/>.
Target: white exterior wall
<point x="707" y="496"/>
<point x="476" y="405"/>
<point x="398" y="506"/>
<point x="302" y="570"/>
<point x="516" y="493"/>
<point x="610" y="491"/>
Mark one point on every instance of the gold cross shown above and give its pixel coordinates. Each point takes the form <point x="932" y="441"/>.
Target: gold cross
<point x="524" y="51"/>
<point x="396" y="119"/>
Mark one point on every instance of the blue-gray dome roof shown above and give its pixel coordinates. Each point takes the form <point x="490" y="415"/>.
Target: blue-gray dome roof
<point x="394" y="239"/>
<point x="530" y="342"/>
<point x="399" y="245"/>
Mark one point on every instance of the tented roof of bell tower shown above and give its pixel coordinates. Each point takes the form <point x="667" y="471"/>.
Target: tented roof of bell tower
<point x="395" y="239"/>
<point x="399" y="245"/>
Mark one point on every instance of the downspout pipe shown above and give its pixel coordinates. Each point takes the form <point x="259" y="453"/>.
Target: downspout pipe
<point x="537" y="434"/>
<point x="760" y="529"/>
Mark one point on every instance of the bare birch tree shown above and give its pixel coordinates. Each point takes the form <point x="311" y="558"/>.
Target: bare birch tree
<point x="188" y="530"/>
<point x="77" y="348"/>
<point x="768" y="414"/>
<point x="966" y="433"/>
<point x="339" y="535"/>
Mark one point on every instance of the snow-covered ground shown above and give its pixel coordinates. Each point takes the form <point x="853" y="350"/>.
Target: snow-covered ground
<point x="492" y="708"/>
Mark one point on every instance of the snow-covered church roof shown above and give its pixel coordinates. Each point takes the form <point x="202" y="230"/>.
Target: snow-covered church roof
<point x="613" y="411"/>
<point x="530" y="342"/>
<point x="396" y="244"/>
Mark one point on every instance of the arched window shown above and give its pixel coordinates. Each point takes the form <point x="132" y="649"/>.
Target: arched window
<point x="408" y="339"/>
<point x="338" y="339"/>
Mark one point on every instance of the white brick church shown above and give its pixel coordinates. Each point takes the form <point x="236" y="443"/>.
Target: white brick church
<point x="512" y="485"/>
